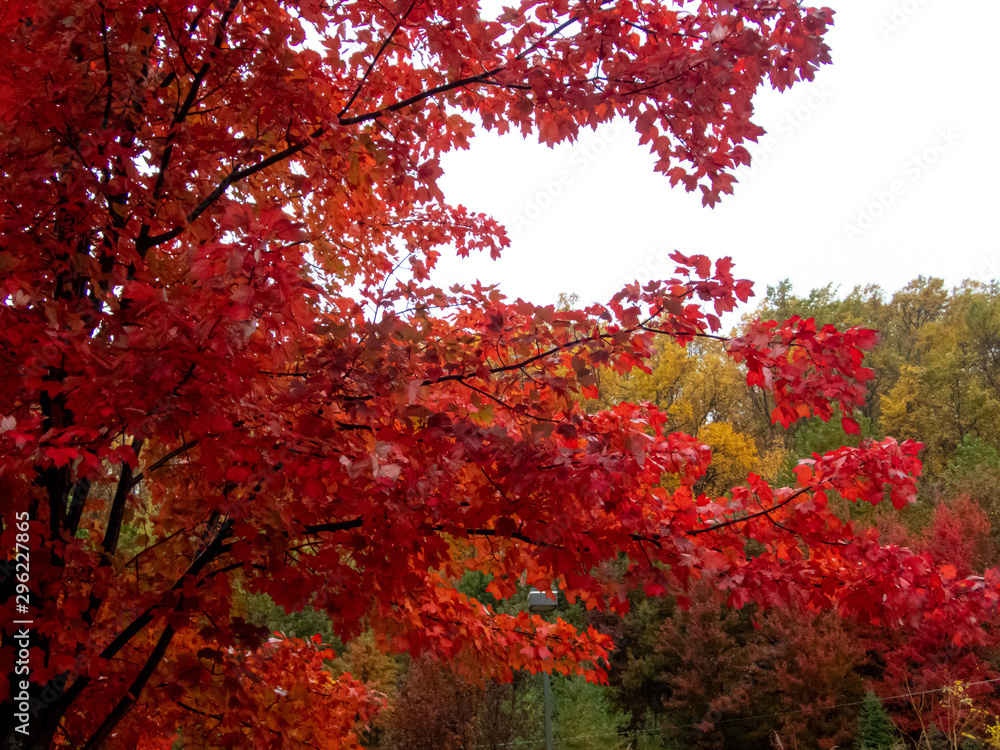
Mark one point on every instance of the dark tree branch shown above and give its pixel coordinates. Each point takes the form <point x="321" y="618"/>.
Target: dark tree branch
<point x="108" y="79"/>
<point x="163" y="460"/>
<point x="81" y="491"/>
<point x="144" y="242"/>
<point x="354" y="427"/>
<point x="232" y="178"/>
<point x="211" y="552"/>
<point x="55" y="479"/>
<point x="517" y="410"/>
<point x="128" y="700"/>
<point x="358" y="522"/>
<point x="117" y="514"/>
<point x="371" y="65"/>
<point x="506" y="535"/>
<point x="521" y="364"/>
<point x="334" y="526"/>
<point x="443" y="88"/>
<point x="153" y="546"/>
<point x="751" y="516"/>
<point x="217" y="717"/>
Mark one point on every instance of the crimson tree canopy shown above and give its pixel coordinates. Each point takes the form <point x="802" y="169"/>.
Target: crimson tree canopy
<point x="225" y="364"/>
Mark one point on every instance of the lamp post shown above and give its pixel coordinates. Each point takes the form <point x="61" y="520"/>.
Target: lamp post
<point x="540" y="602"/>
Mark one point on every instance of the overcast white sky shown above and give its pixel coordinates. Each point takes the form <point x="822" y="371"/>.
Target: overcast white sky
<point x="907" y="114"/>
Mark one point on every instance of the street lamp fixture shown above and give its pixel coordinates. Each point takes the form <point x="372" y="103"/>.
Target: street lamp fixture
<point x="540" y="602"/>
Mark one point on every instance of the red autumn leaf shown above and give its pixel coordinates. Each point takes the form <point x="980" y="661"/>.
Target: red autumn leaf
<point x="61" y="456"/>
<point x="850" y="426"/>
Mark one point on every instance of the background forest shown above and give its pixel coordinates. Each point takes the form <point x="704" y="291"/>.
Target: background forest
<point x="708" y="676"/>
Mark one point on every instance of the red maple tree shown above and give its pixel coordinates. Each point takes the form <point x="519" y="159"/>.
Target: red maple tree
<point x="225" y="364"/>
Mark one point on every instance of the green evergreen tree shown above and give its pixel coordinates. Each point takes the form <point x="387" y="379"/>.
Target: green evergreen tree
<point x="584" y="717"/>
<point x="936" y="739"/>
<point x="875" y="728"/>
